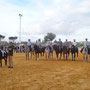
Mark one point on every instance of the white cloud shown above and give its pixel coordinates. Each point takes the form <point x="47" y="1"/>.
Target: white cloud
<point x="66" y="18"/>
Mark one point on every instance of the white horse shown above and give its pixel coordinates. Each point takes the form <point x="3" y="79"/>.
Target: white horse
<point x="48" y="53"/>
<point x="85" y="53"/>
<point x="27" y="52"/>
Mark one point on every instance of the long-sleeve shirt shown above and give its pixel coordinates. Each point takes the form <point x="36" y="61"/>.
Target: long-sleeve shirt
<point x="38" y="43"/>
<point x="66" y="43"/>
<point x="74" y="43"/>
<point x="10" y="50"/>
<point x="29" y="43"/>
<point x="86" y="44"/>
<point x="60" y="43"/>
<point x="48" y="43"/>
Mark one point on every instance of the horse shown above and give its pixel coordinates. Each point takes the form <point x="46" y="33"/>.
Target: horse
<point x="74" y="51"/>
<point x="66" y="51"/>
<point x="3" y="55"/>
<point x="49" y="52"/>
<point x="32" y="51"/>
<point x="38" y="50"/>
<point x="86" y="52"/>
<point x="27" y="52"/>
<point x="58" y="50"/>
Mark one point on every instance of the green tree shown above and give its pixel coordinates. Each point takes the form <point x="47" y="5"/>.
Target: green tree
<point x="50" y="36"/>
<point x="1" y="37"/>
<point x="13" y="38"/>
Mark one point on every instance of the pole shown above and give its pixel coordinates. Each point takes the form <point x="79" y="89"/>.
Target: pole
<point x="20" y="15"/>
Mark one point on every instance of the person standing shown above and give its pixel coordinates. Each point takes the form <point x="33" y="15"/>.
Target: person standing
<point x="10" y="53"/>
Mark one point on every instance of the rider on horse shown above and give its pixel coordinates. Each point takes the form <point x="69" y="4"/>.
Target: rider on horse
<point x="85" y="46"/>
<point x="74" y="43"/>
<point x="59" y="43"/>
<point x="49" y="44"/>
<point x="39" y="43"/>
<point x="29" y="44"/>
<point x="66" y="43"/>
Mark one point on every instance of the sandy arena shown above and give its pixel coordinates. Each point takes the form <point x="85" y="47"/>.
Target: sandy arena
<point x="45" y="74"/>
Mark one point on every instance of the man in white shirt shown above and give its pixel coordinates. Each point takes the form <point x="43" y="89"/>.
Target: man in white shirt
<point x="39" y="43"/>
<point x="29" y="44"/>
<point x="74" y="43"/>
<point x="48" y="42"/>
<point x="86" y="44"/>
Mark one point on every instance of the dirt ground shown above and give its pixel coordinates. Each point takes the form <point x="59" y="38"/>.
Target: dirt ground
<point x="45" y="74"/>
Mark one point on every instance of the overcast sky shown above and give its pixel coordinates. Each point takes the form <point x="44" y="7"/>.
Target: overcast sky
<point x="66" y="18"/>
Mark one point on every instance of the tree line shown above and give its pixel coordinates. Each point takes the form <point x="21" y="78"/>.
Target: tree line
<point x="50" y="36"/>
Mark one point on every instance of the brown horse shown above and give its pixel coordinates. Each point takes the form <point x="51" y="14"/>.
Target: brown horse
<point x="38" y="50"/>
<point x="57" y="51"/>
<point x="66" y="51"/>
<point x="3" y="57"/>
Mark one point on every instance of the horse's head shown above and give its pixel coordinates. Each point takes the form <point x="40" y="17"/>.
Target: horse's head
<point x="81" y="49"/>
<point x="35" y="46"/>
<point x="65" y="49"/>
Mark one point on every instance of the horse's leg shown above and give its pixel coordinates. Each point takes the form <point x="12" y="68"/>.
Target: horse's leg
<point x="87" y="57"/>
<point x="43" y="53"/>
<point x="52" y="55"/>
<point x="31" y="55"/>
<point x="84" y="57"/>
<point x="57" y="55"/>
<point x="6" y="61"/>
<point x="0" y="62"/>
<point x="66" y="56"/>
<point x="46" y="55"/>
<point x="77" y="55"/>
<point x="74" y="56"/>
<point x="28" y="55"/>
<point x="60" y="55"/>
<point x="36" y="55"/>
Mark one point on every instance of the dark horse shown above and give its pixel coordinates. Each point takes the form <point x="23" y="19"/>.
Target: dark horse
<point x="66" y="51"/>
<point x="74" y="51"/>
<point x="38" y="50"/>
<point x="3" y="57"/>
<point x="58" y="50"/>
